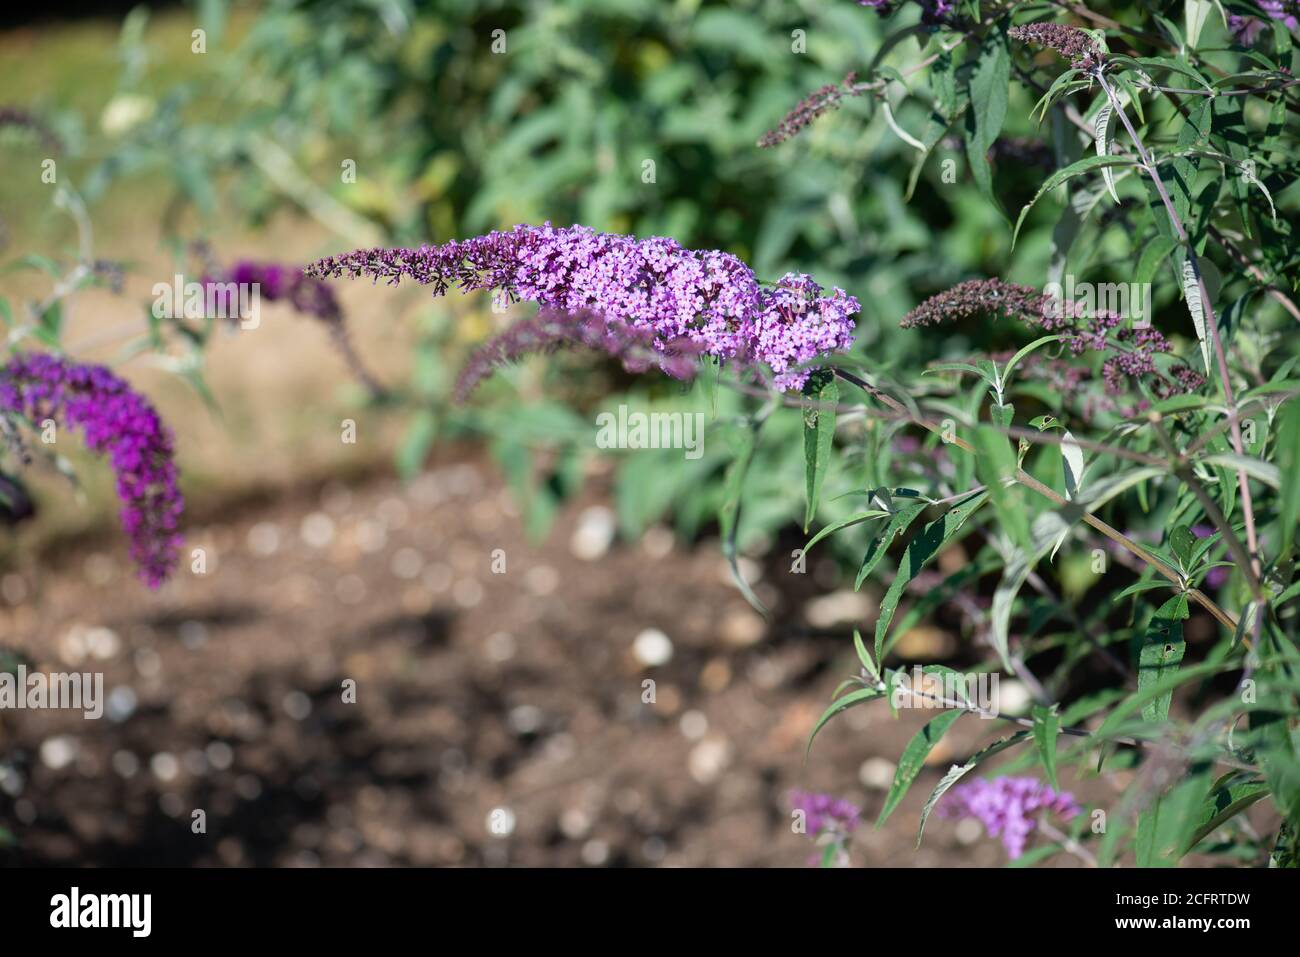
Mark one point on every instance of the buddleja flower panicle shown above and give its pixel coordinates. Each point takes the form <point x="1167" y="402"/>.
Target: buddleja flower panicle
<point x="1074" y="44"/>
<point x="709" y="298"/>
<point x="802" y="114"/>
<point x="1129" y="352"/>
<point x="117" y="421"/>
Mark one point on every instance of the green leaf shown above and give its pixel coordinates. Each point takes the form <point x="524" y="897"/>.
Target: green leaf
<point x="1047" y="726"/>
<point x="818" y="435"/>
<point x="898" y="522"/>
<point x="729" y="511"/>
<point x="1231" y="795"/>
<point x="863" y="656"/>
<point x="920" y="550"/>
<point x="995" y="466"/>
<point x="1183" y="542"/>
<point x="1266" y="472"/>
<point x="1161" y="654"/>
<point x="989" y="85"/>
<point x="913" y="760"/>
<point x="1077" y="168"/>
<point x="842" y="704"/>
<point x="1288" y="463"/>
<point x="857" y="518"/>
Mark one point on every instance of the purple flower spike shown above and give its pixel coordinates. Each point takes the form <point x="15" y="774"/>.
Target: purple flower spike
<point x="119" y="422"/>
<point x="650" y="286"/>
<point x="1007" y="807"/>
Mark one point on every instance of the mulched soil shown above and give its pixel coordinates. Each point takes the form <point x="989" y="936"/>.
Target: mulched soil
<point x="498" y="718"/>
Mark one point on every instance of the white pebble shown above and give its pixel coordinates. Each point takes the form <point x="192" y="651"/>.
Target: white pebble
<point x="652" y="648"/>
<point x="59" y="751"/>
<point x="317" y="530"/>
<point x="594" y="534"/>
<point x="264" y="539"/>
<point x="877" y="774"/>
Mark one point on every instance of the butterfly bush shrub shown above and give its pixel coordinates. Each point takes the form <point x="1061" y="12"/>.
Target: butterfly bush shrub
<point x="1117" y="463"/>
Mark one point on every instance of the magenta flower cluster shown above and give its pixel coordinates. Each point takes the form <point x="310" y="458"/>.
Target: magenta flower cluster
<point x="116" y="421"/>
<point x="709" y="298"/>
<point x="1008" y="807"/>
<point x="823" y="813"/>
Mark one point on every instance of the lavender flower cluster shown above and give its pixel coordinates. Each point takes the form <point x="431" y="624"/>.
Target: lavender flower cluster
<point x="1070" y="42"/>
<point x="823" y="813"/>
<point x="1007" y="806"/>
<point x="118" y="421"/>
<point x="709" y="298"/>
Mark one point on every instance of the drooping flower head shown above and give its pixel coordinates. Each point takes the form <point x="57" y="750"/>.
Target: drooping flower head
<point x="1070" y="42"/>
<point x="1008" y="807"/>
<point x="549" y="330"/>
<point x="306" y="295"/>
<point x="654" y="285"/>
<point x="117" y="421"/>
<point x="819" y="101"/>
<point x="1129" y="352"/>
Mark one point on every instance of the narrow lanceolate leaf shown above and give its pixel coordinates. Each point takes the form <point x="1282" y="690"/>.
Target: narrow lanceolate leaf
<point x="920" y="550"/>
<point x="996" y="467"/>
<point x="1246" y="169"/>
<point x="904" y="513"/>
<point x="913" y="760"/>
<point x="1102" y="125"/>
<point x="1048" y="531"/>
<point x="1047" y="725"/>
<point x="901" y="133"/>
<point x="818" y="434"/>
<point x="1288" y="461"/>
<point x="857" y="518"/>
<point x="989" y="85"/>
<point x="1192" y="291"/>
<point x="1161" y="654"/>
<point x="863" y="657"/>
<point x="842" y="704"/>
<point x="1230" y="795"/>
<point x="1072" y="460"/>
<point x="958" y="771"/>
<point x="1076" y="168"/>
<point x="729" y="511"/>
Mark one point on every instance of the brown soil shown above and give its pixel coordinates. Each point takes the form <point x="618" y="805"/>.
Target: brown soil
<point x="474" y="691"/>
